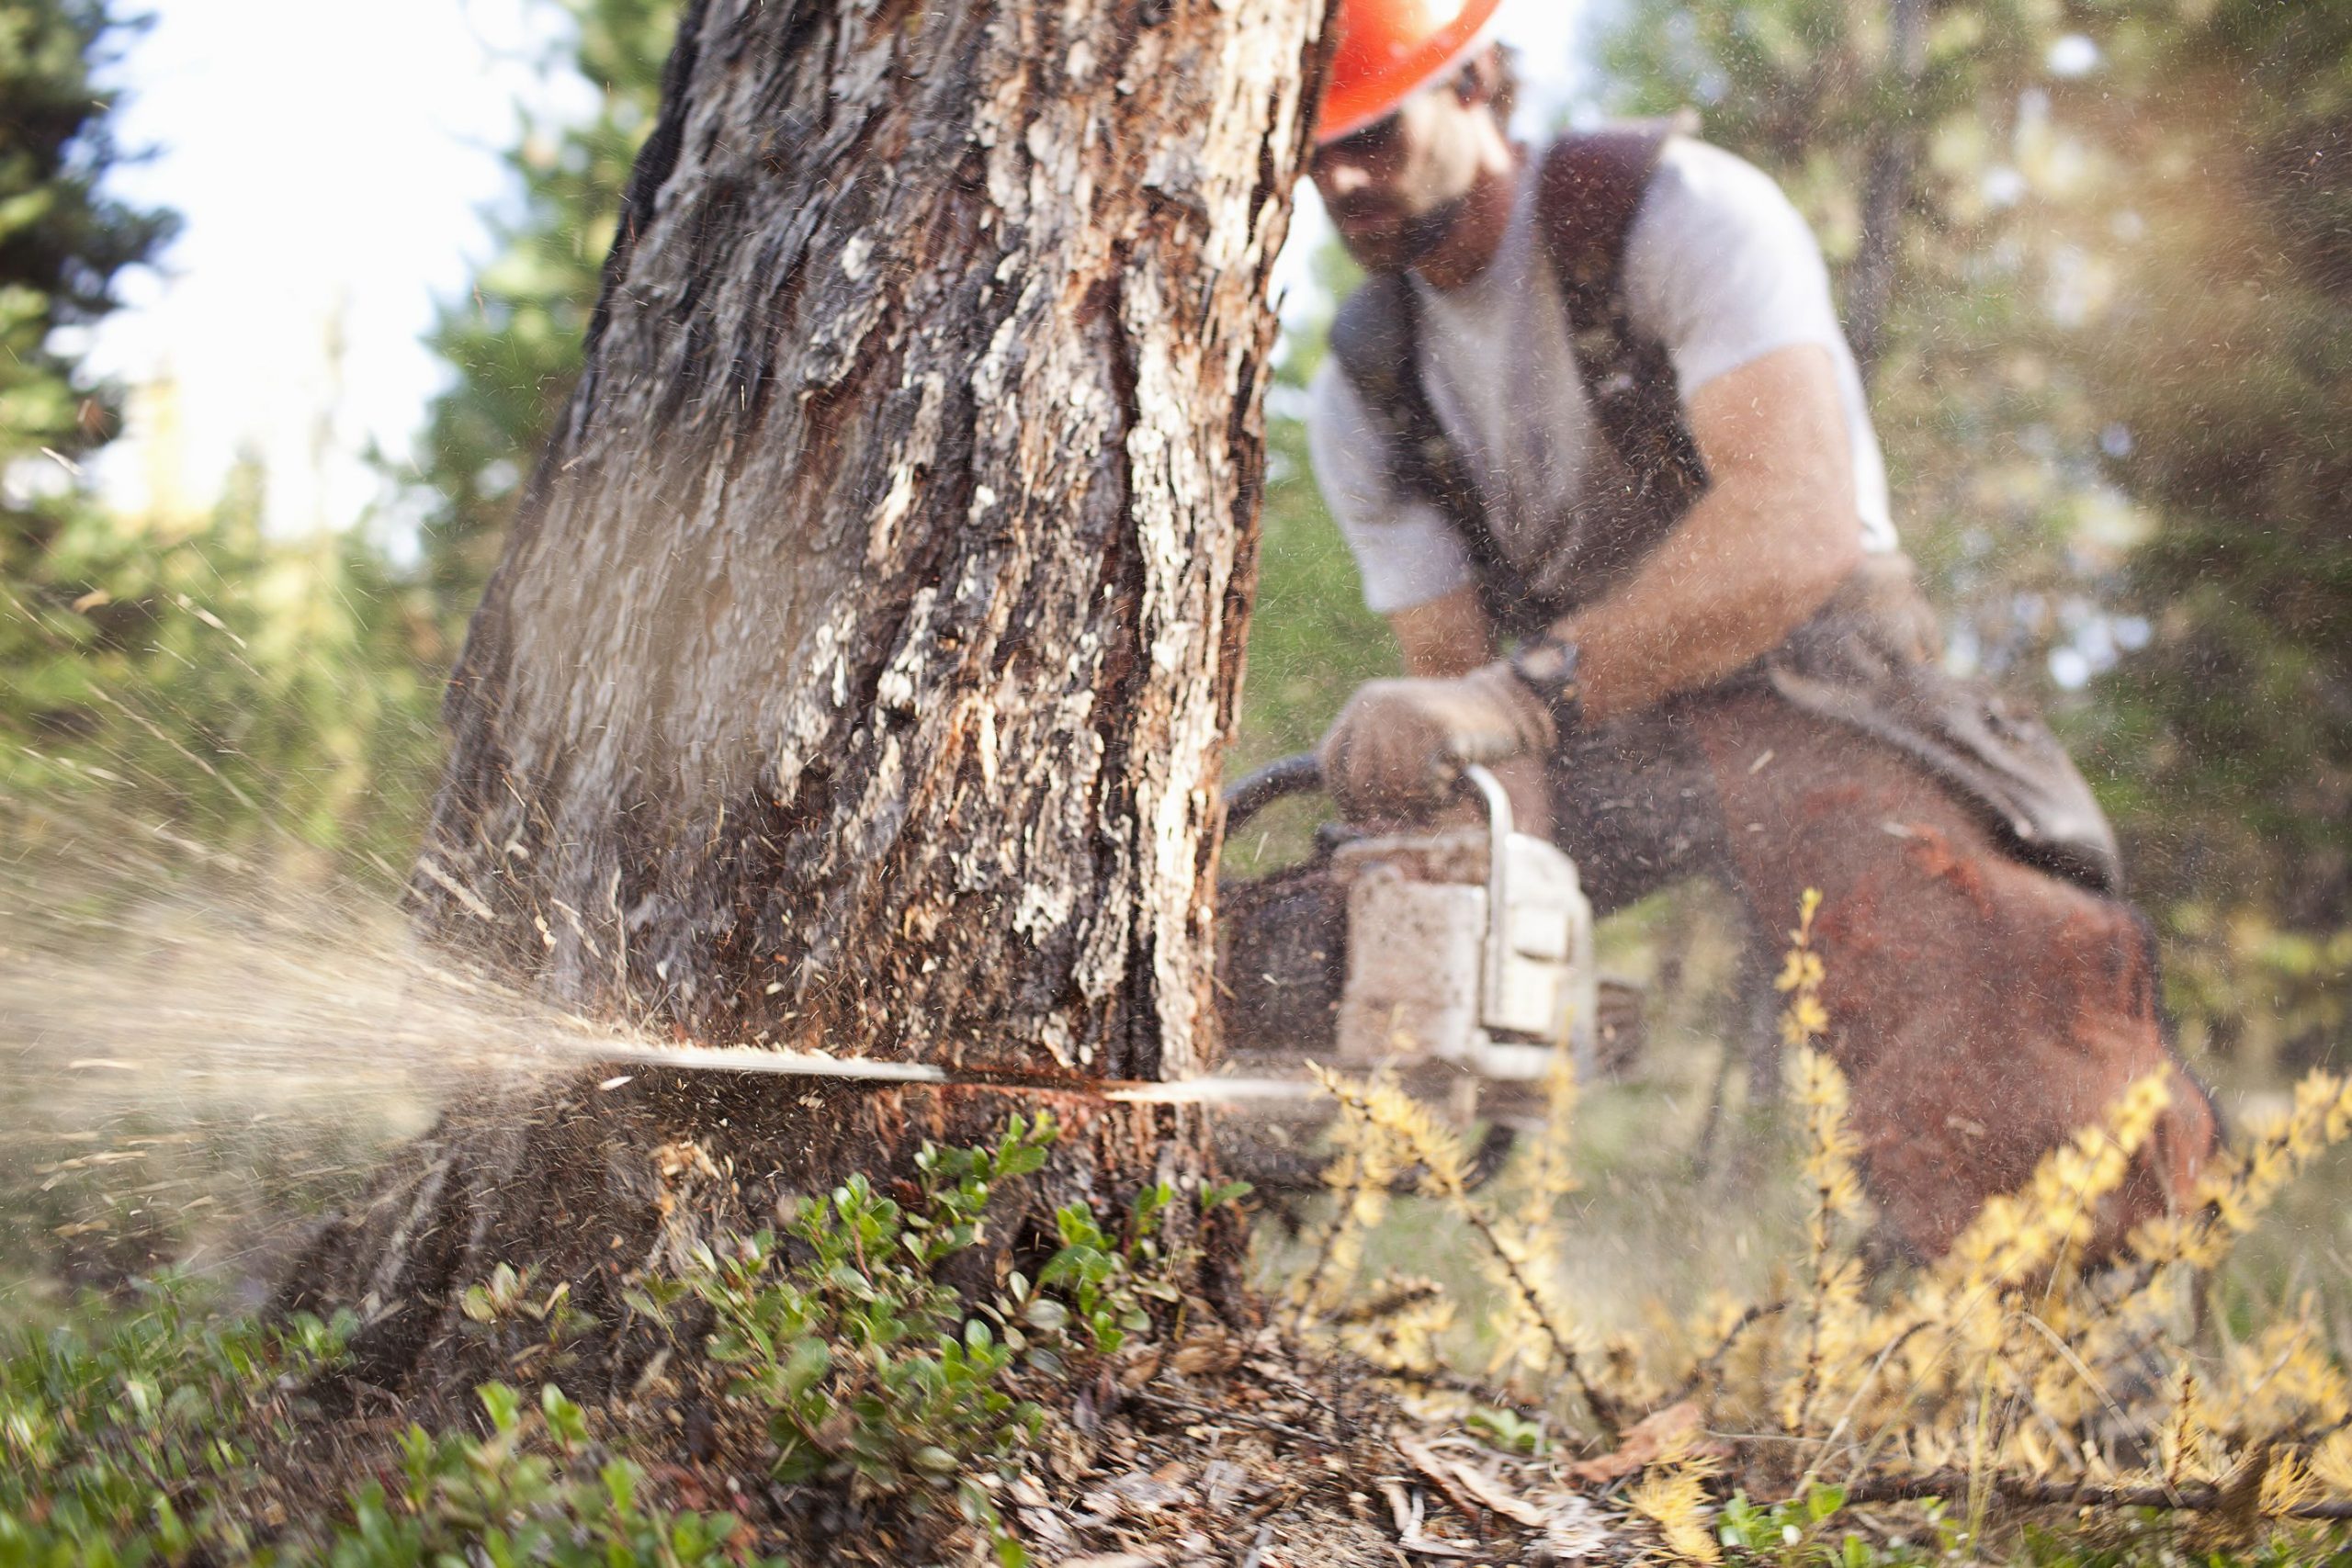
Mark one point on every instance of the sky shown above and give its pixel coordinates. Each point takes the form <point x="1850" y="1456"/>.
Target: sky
<point x="334" y="160"/>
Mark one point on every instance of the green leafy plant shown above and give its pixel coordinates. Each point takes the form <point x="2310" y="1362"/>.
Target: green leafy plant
<point x="123" y="1432"/>
<point x="1795" y="1534"/>
<point x="142" y="1436"/>
<point x="866" y="1362"/>
<point x="536" y="1490"/>
<point x="1110" y="1283"/>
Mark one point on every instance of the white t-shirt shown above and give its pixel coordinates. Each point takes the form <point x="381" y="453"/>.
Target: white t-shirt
<point x="1719" y="267"/>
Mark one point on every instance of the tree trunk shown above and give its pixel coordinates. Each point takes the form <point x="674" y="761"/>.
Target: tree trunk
<point x="873" y="625"/>
<point x="1886" y="185"/>
<point x="858" y="673"/>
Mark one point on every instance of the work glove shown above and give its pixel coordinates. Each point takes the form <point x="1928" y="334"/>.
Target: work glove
<point x="1397" y="749"/>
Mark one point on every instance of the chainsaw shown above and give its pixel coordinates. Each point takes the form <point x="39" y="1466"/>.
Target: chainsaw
<point x="1462" y="955"/>
<point x="1457" y="958"/>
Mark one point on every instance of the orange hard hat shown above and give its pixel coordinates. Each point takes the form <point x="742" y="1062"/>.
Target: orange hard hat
<point x="1387" y="49"/>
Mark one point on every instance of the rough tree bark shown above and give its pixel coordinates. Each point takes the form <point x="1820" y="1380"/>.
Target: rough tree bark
<point x="873" y="621"/>
<point x="857" y="672"/>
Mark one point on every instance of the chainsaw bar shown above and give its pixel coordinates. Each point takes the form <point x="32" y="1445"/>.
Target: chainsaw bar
<point x="806" y="1065"/>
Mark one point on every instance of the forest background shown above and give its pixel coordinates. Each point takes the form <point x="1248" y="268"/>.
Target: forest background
<point x="2097" y="256"/>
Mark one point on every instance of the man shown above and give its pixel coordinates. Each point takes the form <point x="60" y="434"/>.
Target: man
<point x="1594" y="406"/>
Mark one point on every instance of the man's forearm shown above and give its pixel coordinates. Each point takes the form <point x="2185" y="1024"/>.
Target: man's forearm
<point x="1728" y="585"/>
<point x="1758" y="554"/>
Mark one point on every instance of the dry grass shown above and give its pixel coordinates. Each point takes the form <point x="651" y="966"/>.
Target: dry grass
<point x="2007" y="1375"/>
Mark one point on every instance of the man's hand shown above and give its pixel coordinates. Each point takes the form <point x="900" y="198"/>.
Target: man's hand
<point x="1400" y="745"/>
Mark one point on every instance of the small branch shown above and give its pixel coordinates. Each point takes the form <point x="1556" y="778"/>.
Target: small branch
<point x="1877" y="1365"/>
<point x="1387" y="1303"/>
<point x="1342" y="1218"/>
<point x="1705" y="1370"/>
<point x="2022" y="1491"/>
<point x="1237" y="1417"/>
<point x="1604" y="1409"/>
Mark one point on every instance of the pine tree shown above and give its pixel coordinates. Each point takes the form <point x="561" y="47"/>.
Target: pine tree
<point x="64" y="244"/>
<point x="2112" y="385"/>
<point x="63" y="241"/>
<point x="2225" y="364"/>
<point x="230" y="689"/>
<point x="1919" y="140"/>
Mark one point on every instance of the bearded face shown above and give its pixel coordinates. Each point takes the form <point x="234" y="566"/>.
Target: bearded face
<point x="1395" y="189"/>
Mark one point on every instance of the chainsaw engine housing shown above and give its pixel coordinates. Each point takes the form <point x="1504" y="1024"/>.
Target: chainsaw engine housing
<point x="1459" y="958"/>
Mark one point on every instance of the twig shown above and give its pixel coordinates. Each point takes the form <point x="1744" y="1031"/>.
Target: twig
<point x="1442" y="1476"/>
<point x="1386" y="1305"/>
<point x="1839" y="1430"/>
<point x="1187" y="1407"/>
<point x="1604" y="1409"/>
<point x="1342" y="1216"/>
<point x="1445" y="1179"/>
<point x="1714" y="1361"/>
<point x="2090" y="1378"/>
<point x="2022" y="1491"/>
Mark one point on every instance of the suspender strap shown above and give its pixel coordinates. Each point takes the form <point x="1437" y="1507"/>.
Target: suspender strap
<point x="1586" y="194"/>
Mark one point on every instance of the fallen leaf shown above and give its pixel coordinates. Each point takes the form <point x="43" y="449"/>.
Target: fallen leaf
<point x="1491" y="1493"/>
<point x="1441" y="1475"/>
<point x="1643" y="1444"/>
<point x="1207" y="1353"/>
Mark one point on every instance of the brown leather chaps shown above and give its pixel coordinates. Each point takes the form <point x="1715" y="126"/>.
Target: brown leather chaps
<point x="1982" y="1009"/>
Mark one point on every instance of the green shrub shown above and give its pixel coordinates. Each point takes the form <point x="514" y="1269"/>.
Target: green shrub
<point x="145" y="1435"/>
<point x="124" y="1431"/>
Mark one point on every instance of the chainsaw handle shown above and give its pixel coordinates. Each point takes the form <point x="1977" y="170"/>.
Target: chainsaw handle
<point x="1293" y="776"/>
<point x="1303" y="775"/>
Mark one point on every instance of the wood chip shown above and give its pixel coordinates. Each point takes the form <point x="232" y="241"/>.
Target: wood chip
<point x="1492" y="1493"/>
<point x="1405" y="1508"/>
<point x="1573" y="1529"/>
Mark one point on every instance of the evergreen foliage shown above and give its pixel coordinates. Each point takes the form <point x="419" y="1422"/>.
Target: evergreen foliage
<point x="1933" y="155"/>
<point x="250" y="692"/>
<point x="515" y="340"/>
<point x="64" y="244"/>
<point x="227" y="685"/>
<point x="63" y="241"/>
<point x="2226" y="364"/>
<point x="255" y="695"/>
